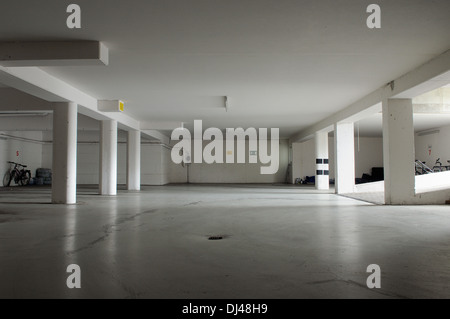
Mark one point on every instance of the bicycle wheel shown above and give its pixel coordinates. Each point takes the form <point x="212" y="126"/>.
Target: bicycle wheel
<point x="25" y="179"/>
<point x="7" y="179"/>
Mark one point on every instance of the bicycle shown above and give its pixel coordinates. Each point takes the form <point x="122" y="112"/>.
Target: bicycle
<point x="438" y="167"/>
<point x="19" y="176"/>
<point x="422" y="169"/>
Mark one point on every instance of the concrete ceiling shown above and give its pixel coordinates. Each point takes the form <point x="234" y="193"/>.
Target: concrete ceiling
<point x="431" y="110"/>
<point x="285" y="64"/>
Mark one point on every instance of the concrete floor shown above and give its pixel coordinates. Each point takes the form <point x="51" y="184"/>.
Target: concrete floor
<point x="280" y="242"/>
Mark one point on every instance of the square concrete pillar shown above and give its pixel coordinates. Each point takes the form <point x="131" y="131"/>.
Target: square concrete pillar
<point x="344" y="153"/>
<point x="398" y="151"/>
<point x="322" y="166"/>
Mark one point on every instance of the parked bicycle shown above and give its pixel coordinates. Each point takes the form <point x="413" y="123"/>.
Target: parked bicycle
<point x="18" y="174"/>
<point x="421" y="168"/>
<point x="438" y="167"/>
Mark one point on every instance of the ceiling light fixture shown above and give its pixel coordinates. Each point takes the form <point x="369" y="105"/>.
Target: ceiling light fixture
<point x="27" y="114"/>
<point x="424" y="133"/>
<point x="111" y="106"/>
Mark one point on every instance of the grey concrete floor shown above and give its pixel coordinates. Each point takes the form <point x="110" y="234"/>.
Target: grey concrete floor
<point x="280" y="242"/>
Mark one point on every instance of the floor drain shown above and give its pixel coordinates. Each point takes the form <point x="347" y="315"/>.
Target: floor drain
<point x="215" y="238"/>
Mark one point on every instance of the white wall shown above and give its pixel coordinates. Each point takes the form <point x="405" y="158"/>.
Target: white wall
<point x="370" y="155"/>
<point x="157" y="167"/>
<point x="88" y="163"/>
<point x="46" y="155"/>
<point x="155" y="160"/>
<point x="231" y="173"/>
<point x="177" y="173"/>
<point x="88" y="167"/>
<point x="154" y="165"/>
<point x="29" y="152"/>
<point x="439" y="143"/>
<point x="304" y="159"/>
<point x="166" y="165"/>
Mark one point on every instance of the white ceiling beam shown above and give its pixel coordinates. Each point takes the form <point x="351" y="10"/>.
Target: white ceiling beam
<point x="57" y="53"/>
<point x="36" y="82"/>
<point x="22" y="107"/>
<point x="163" y="125"/>
<point x="157" y="135"/>
<point x="371" y="110"/>
<point x="415" y="78"/>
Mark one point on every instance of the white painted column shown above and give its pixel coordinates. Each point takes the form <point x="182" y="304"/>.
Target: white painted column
<point x="108" y="158"/>
<point x="64" y="167"/>
<point x="398" y="151"/>
<point x="134" y="160"/>
<point x="344" y="154"/>
<point x="322" y="168"/>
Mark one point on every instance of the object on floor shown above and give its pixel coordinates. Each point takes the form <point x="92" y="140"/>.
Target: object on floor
<point x="377" y="174"/>
<point x="310" y="180"/>
<point x="43" y="176"/>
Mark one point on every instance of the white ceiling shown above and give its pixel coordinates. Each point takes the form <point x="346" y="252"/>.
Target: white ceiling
<point x="284" y="63"/>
